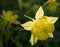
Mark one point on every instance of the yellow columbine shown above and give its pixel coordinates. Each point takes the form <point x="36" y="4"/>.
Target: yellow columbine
<point x="42" y="28"/>
<point x="10" y="17"/>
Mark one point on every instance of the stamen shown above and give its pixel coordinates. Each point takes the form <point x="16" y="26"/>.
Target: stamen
<point x="29" y="17"/>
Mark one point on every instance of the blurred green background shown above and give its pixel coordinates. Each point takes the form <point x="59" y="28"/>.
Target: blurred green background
<point x="15" y="36"/>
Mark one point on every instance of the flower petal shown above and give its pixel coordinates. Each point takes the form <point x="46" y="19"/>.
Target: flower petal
<point x="39" y="13"/>
<point x="50" y="27"/>
<point x="27" y="25"/>
<point x="16" y="22"/>
<point x="50" y="35"/>
<point x="33" y="39"/>
<point x="52" y="19"/>
<point x="3" y="12"/>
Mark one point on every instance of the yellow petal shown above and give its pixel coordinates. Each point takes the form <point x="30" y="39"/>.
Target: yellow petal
<point x="3" y="12"/>
<point x="39" y="13"/>
<point x="50" y="35"/>
<point x="15" y="16"/>
<point x="50" y="27"/>
<point x="52" y="19"/>
<point x="33" y="39"/>
<point x="9" y="13"/>
<point x="16" y="22"/>
<point x="27" y="25"/>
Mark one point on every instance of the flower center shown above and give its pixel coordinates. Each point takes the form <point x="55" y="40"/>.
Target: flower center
<point x="10" y="16"/>
<point x="41" y="28"/>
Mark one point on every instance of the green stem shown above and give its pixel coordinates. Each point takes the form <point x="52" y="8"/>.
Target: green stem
<point x="8" y="35"/>
<point x="49" y="1"/>
<point x="46" y="3"/>
<point x="2" y="24"/>
<point x="2" y="28"/>
<point x="9" y="28"/>
<point x="20" y="3"/>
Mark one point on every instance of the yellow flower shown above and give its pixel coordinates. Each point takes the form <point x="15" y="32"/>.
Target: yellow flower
<point x="42" y="27"/>
<point x="10" y="17"/>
